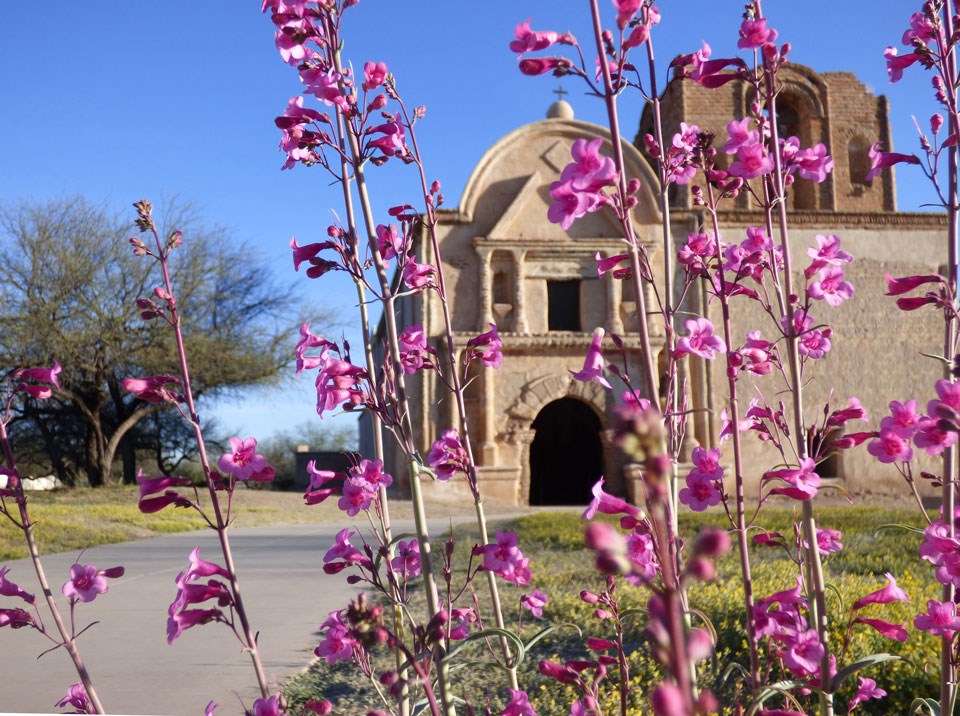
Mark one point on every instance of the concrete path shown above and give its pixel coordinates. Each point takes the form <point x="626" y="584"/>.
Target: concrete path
<point x="136" y="672"/>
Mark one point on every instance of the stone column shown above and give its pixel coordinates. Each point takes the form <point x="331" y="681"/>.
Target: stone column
<point x="519" y="303"/>
<point x="524" y="438"/>
<point x="486" y="290"/>
<point x="488" y="448"/>
<point x="614" y="299"/>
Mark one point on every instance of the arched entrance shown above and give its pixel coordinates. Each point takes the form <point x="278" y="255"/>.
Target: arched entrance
<point x="566" y="456"/>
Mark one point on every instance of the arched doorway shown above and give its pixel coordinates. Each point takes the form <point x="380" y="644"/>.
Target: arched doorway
<point x="566" y="456"/>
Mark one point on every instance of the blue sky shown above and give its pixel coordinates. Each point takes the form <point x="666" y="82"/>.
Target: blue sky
<point x="118" y="101"/>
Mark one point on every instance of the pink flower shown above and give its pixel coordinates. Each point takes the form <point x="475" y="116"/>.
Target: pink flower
<point x="803" y="652"/>
<point x="374" y="75"/>
<point x="940" y="620"/>
<point x="642" y="556"/>
<point x="152" y="485"/>
<point x="343" y="554"/>
<point x="903" y="418"/>
<point x="448" y="456"/>
<point x="243" y="461"/>
<point x="519" y="705"/>
<point x="357" y="497"/>
<point x="419" y="276"/>
<point x="390" y="243"/>
<point x="626" y="10"/>
<point x="87" y="582"/>
<point x="589" y="171"/>
<point x="667" y="700"/>
<point x="407" y="562"/>
<point x="867" y="690"/>
<point x="9" y="589"/>
<point x="16" y="618"/>
<point x="201" y="568"/>
<point x="505" y="559"/>
<point x="829" y="541"/>
<point x="754" y="34"/>
<point x="488" y="347"/>
<point x="325" y="86"/>
<point x="154" y="388"/>
<point x="700" y="340"/>
<point x="339" y="382"/>
<point x="890" y="593"/>
<point x="898" y="286"/>
<point x="541" y="65"/>
<point x="531" y="40"/>
<point x="897" y="632"/>
<point x="813" y="163"/>
<point x="413" y="346"/>
<point x="882" y="160"/>
<point x="593" y="364"/>
<point x="707" y="462"/>
<point x="803" y="481"/>
<point x="307" y="341"/>
<point x="931" y="439"/>
<point x="896" y="64"/>
<point x="570" y="204"/>
<point x="607" y="504"/>
<point x="828" y="250"/>
<point x="700" y="492"/>
<point x="179" y="622"/>
<point x="77" y="698"/>
<point x="891" y="447"/>
<point x="266" y="707"/>
<point x="752" y="161"/>
<point x="534" y="602"/>
<point x="831" y="287"/>
<point x="337" y="644"/>
<point x="393" y="139"/>
<point x="41" y="375"/>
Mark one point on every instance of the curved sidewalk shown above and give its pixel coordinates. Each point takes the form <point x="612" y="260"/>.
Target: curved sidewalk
<point x="136" y="672"/>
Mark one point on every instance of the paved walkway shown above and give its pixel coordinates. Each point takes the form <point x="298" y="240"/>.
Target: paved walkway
<point x="136" y="672"/>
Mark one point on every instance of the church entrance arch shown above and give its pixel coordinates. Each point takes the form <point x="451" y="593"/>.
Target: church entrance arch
<point x="566" y="456"/>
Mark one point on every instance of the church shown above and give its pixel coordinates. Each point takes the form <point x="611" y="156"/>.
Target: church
<point x="542" y="438"/>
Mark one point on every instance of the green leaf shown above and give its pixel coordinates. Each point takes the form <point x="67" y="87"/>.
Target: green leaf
<point x="924" y="707"/>
<point x="894" y="526"/>
<point x="833" y="588"/>
<point x="780" y="688"/>
<point x="706" y="621"/>
<point x="636" y="611"/>
<point x="519" y="651"/>
<point x="549" y="630"/>
<point x="853" y="667"/>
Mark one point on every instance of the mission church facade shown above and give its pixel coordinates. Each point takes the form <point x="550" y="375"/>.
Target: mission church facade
<point x="539" y="436"/>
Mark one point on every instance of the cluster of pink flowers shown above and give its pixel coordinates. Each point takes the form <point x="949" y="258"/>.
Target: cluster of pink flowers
<point x="190" y="592"/>
<point x="362" y="486"/>
<point x="343" y="554"/>
<point x="504" y="558"/>
<point x="448" y="456"/>
<point x="338" y="644"/>
<point x="705" y="481"/>
<point x="338" y="382"/>
<point x="700" y="340"/>
<point x="487" y="347"/>
<point x="581" y="185"/>
<point x="15" y="617"/>
<point x="930" y="433"/>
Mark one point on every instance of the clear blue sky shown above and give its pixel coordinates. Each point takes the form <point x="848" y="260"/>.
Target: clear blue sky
<point x="118" y="101"/>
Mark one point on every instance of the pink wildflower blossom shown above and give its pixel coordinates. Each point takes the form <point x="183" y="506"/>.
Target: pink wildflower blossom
<point x="419" y="276"/>
<point x="531" y="40"/>
<point x="700" y="492"/>
<point x="413" y="348"/>
<point x="505" y="559"/>
<point x="903" y="418"/>
<point x="487" y="347"/>
<point x="86" y="582"/>
<point x="803" y="652"/>
<point x="77" y="698"/>
<point x="154" y="389"/>
<point x="867" y="690"/>
<point x="448" y="456"/>
<point x="700" y="340"/>
<point x="752" y="161"/>
<point x="888" y="594"/>
<point x="754" y="34"/>
<point x="593" y="365"/>
<point x="9" y="589"/>
<point x="831" y="287"/>
<point x="337" y="644"/>
<point x="882" y="160"/>
<point x="534" y="602"/>
<point x="243" y="461"/>
<point x="519" y="705"/>
<point x="896" y="63"/>
<point x="407" y="562"/>
<point x="940" y="620"/>
<point x="891" y="447"/>
<point x="374" y="75"/>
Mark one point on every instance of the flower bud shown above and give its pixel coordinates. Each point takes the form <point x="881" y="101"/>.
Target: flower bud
<point x="589" y="597"/>
<point x="711" y="542"/>
<point x="936" y="121"/>
<point x="702" y="569"/>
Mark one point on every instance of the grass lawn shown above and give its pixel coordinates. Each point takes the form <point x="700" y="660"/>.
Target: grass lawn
<point x="562" y="567"/>
<point x="80" y="517"/>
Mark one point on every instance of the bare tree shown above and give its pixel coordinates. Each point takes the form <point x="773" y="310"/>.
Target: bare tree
<point x="68" y="288"/>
